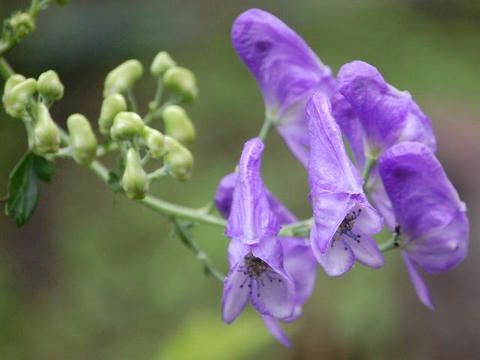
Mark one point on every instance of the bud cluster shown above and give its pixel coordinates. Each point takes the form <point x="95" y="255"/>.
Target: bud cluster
<point x="125" y="130"/>
<point x="30" y="99"/>
<point x="139" y="142"/>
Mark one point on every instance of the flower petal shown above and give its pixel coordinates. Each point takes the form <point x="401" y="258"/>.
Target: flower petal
<point x="224" y="194"/>
<point x="426" y="206"/>
<point x="387" y="115"/>
<point x="351" y="127"/>
<point x="275" y="294"/>
<point x="443" y="248"/>
<point x="287" y="71"/>
<point x="235" y="295"/>
<point x="330" y="168"/>
<point x="251" y="218"/>
<point x="329" y="210"/>
<point x="418" y="283"/>
<point x="301" y="265"/>
<point x="338" y="259"/>
<point x="366" y="251"/>
<point x="276" y="330"/>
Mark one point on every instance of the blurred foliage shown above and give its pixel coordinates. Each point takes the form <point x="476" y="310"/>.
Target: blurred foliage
<point x="94" y="275"/>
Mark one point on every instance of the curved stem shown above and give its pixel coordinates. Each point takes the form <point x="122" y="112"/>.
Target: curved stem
<point x="188" y="241"/>
<point x="389" y="244"/>
<point x="369" y="164"/>
<point x="5" y="69"/>
<point x="267" y="125"/>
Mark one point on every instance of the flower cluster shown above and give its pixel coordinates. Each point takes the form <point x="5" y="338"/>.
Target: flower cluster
<point x="394" y="179"/>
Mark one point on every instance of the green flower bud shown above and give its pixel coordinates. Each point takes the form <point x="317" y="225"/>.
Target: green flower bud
<point x="155" y="142"/>
<point x="21" y="24"/>
<point x="46" y="136"/>
<point x="122" y="78"/>
<point x="178" y="159"/>
<point x="82" y="139"/>
<point x="181" y="81"/>
<point x="126" y="126"/>
<point x="161" y="63"/>
<point x="134" y="180"/>
<point x="111" y="106"/>
<point x="178" y="125"/>
<point x="11" y="82"/>
<point x="50" y="86"/>
<point x="17" y="95"/>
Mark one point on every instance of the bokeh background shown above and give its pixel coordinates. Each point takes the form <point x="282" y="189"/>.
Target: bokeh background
<point x="95" y="276"/>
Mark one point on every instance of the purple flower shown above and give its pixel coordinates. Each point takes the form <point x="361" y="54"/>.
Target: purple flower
<point x="431" y="219"/>
<point x="374" y="115"/>
<point x="386" y="115"/>
<point x="287" y="71"/>
<point x="344" y="219"/>
<point x="281" y="258"/>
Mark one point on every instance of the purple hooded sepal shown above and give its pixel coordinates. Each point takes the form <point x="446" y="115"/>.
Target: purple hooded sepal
<point x="287" y="71"/>
<point x="387" y="115"/>
<point x="433" y="224"/>
<point x="432" y="220"/>
<point x="251" y="218"/>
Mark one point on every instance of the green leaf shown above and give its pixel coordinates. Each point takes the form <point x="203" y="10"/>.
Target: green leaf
<point x="22" y="197"/>
<point x="43" y="168"/>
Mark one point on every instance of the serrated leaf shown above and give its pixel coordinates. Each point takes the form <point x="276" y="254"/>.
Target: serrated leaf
<point x="43" y="168"/>
<point x="22" y="197"/>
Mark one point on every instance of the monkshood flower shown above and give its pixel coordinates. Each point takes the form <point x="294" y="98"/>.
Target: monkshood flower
<point x="374" y="115"/>
<point x="298" y="260"/>
<point x="287" y="71"/>
<point x="432" y="224"/>
<point x="344" y="219"/>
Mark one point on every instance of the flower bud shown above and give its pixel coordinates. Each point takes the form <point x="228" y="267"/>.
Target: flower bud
<point x="46" y="136"/>
<point x="50" y="86"/>
<point x="82" y="139"/>
<point x="17" y="95"/>
<point x="122" y="78"/>
<point x="21" y="24"/>
<point x="11" y="82"/>
<point x="134" y="180"/>
<point x="111" y="106"/>
<point x="161" y="63"/>
<point x="179" y="159"/>
<point x="155" y="142"/>
<point x="126" y="126"/>
<point x="181" y="81"/>
<point x="178" y="125"/>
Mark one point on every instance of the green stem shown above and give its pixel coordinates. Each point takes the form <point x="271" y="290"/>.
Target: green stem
<point x="5" y="69"/>
<point x="267" y="125"/>
<point x="187" y="240"/>
<point x="389" y="244"/>
<point x="369" y="164"/>
<point x="131" y="102"/>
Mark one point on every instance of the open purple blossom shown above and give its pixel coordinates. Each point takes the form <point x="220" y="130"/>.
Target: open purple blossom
<point x="287" y="71"/>
<point x="374" y="115"/>
<point x="431" y="220"/>
<point x="299" y="264"/>
<point x="344" y="219"/>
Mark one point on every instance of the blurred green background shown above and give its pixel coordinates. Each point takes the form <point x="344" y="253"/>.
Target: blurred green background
<point x="95" y="276"/>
